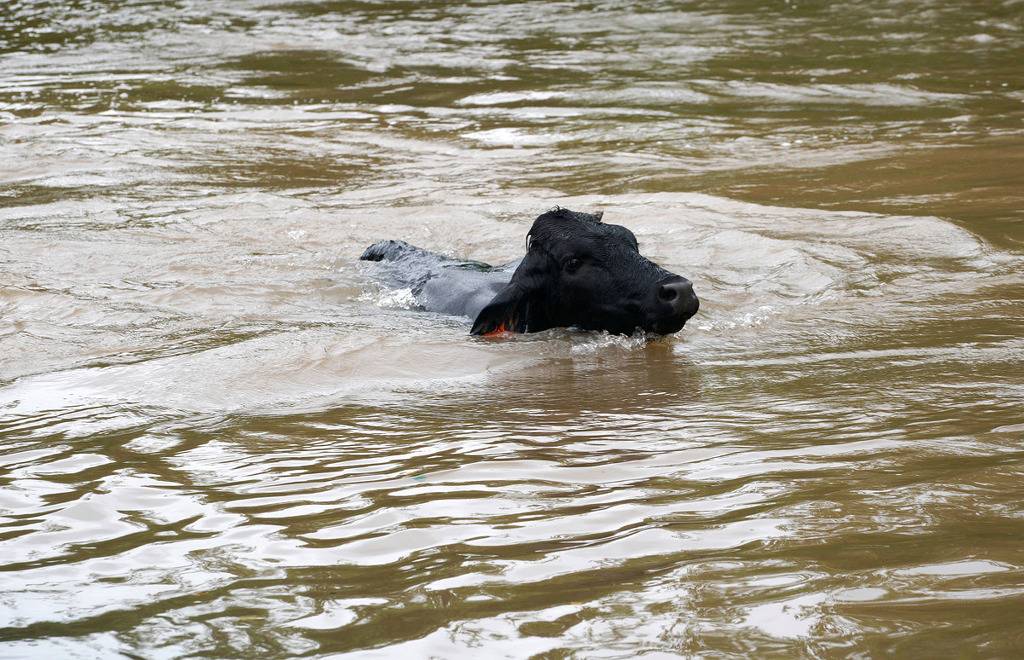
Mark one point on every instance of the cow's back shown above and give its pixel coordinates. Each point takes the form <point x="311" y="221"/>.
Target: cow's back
<point x="439" y="283"/>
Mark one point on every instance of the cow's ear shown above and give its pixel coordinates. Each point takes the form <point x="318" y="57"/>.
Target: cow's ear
<point x="517" y="307"/>
<point x="509" y="311"/>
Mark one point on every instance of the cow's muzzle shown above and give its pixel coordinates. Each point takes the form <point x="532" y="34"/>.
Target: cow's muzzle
<point x="675" y="304"/>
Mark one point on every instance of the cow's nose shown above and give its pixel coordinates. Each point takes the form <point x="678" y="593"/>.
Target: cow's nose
<point x="679" y="295"/>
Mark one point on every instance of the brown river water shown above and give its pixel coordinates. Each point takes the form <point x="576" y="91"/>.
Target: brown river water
<point x="219" y="437"/>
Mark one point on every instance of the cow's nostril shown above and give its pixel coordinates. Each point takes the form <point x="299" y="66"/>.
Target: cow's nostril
<point x="668" y="294"/>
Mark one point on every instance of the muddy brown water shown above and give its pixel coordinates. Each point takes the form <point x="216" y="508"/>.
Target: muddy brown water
<point x="220" y="438"/>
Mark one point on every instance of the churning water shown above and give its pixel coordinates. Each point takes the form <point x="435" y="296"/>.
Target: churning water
<point x="218" y="436"/>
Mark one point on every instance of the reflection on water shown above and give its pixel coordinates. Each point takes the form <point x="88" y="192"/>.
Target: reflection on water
<point x="220" y="437"/>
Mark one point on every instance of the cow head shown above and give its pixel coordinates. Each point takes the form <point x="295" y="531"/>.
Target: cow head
<point x="579" y="272"/>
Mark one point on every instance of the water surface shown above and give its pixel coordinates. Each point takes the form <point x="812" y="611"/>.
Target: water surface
<point x="221" y="438"/>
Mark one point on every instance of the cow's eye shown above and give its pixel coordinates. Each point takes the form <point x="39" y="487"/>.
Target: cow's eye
<point x="572" y="265"/>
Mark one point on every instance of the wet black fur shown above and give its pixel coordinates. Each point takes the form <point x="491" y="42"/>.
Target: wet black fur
<point x="577" y="272"/>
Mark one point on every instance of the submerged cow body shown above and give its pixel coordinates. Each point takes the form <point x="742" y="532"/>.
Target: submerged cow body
<point x="578" y="272"/>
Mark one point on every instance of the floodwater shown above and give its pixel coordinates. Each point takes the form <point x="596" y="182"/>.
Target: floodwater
<point x="221" y="438"/>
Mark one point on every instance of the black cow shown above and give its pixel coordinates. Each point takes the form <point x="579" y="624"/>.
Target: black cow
<point x="577" y="272"/>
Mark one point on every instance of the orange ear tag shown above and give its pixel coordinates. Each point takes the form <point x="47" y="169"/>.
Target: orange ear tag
<point x="501" y="329"/>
